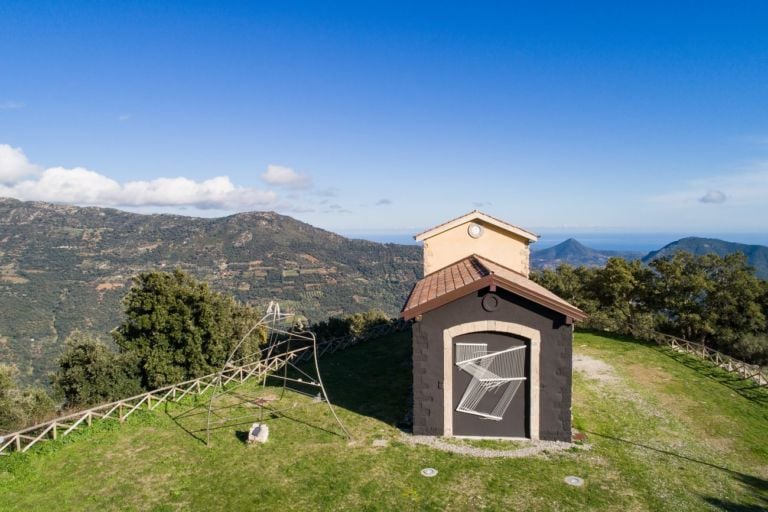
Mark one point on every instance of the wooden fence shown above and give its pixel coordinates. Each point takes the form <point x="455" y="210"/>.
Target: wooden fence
<point x="120" y="410"/>
<point x="745" y="371"/>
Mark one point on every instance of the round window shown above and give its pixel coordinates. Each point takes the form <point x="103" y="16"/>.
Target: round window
<point x="475" y="230"/>
<point x="490" y="302"/>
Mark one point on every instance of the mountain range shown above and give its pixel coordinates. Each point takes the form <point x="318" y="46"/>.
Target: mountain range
<point x="66" y="267"/>
<point x="575" y="253"/>
<point x="757" y="255"/>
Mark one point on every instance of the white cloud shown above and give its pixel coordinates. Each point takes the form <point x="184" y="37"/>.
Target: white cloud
<point x="285" y="177"/>
<point x="11" y="105"/>
<point x="713" y="196"/>
<point x="124" y="117"/>
<point x="745" y="188"/>
<point x="14" y="164"/>
<point x="85" y="187"/>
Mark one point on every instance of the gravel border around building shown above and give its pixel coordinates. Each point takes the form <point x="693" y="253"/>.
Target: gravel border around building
<point x="532" y="448"/>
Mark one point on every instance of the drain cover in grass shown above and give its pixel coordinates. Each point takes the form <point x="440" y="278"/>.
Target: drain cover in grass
<point x="428" y="472"/>
<point x="574" y="480"/>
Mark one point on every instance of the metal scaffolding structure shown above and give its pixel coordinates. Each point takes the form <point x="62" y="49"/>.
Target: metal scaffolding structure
<point x="288" y="342"/>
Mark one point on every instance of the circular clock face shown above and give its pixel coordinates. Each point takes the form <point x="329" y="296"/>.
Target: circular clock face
<point x="475" y="230"/>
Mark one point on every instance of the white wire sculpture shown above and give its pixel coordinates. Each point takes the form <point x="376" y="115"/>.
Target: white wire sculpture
<point x="287" y="343"/>
<point x="494" y="373"/>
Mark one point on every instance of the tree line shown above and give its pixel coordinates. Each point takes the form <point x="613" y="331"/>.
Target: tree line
<point x="713" y="300"/>
<point x="174" y="329"/>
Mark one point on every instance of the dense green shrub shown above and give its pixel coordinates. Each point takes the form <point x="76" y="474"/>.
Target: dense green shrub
<point x="21" y="407"/>
<point x="178" y="328"/>
<point x="351" y="325"/>
<point x="753" y="348"/>
<point x="90" y="373"/>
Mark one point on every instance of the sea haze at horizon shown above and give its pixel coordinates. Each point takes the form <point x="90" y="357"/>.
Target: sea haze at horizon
<point x="606" y="241"/>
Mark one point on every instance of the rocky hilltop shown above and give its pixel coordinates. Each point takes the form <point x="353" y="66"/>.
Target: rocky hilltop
<point x="573" y="252"/>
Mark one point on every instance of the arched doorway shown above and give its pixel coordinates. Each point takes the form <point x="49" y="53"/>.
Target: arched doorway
<point x="491" y="380"/>
<point x="496" y="335"/>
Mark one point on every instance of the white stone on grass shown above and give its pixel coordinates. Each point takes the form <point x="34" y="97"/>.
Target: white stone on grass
<point x="258" y="433"/>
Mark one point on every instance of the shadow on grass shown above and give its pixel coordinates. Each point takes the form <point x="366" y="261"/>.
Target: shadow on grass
<point x="747" y="388"/>
<point x="194" y="421"/>
<point x="373" y="378"/>
<point x="756" y="487"/>
<point x="615" y="336"/>
<point x="758" y="493"/>
<point x="192" y="433"/>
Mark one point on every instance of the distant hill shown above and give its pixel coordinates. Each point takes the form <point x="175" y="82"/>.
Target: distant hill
<point x="575" y="253"/>
<point x="757" y="255"/>
<point x="66" y="267"/>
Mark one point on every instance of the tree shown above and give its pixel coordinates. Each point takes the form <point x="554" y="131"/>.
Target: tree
<point x="679" y="289"/>
<point x="359" y="323"/>
<point x="90" y="373"/>
<point x="356" y="324"/>
<point x="569" y="283"/>
<point x="752" y="348"/>
<point x="710" y="299"/>
<point x="21" y="407"/>
<point x="178" y="329"/>
<point x="732" y="305"/>
<point x="620" y="290"/>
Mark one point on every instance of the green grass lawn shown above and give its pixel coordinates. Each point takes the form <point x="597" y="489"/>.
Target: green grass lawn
<point x="665" y="435"/>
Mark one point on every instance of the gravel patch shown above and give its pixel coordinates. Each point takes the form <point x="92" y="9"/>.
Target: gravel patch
<point x="532" y="448"/>
<point x="594" y="368"/>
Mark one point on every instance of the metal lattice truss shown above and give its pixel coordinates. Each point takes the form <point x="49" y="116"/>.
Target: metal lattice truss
<point x="287" y="344"/>
<point x="493" y="373"/>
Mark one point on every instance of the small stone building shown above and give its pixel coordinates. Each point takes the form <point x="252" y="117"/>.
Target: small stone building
<point x="492" y="354"/>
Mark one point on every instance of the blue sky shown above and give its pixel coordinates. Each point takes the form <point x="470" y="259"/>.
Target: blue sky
<point x="364" y="117"/>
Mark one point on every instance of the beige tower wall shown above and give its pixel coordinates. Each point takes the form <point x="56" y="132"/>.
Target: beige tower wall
<point x="454" y="244"/>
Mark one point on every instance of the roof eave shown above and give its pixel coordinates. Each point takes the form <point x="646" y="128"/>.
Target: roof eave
<point x="476" y="214"/>
<point x="447" y="298"/>
<point x="568" y="311"/>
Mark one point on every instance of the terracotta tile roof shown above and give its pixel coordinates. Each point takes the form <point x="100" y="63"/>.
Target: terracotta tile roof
<point x="475" y="273"/>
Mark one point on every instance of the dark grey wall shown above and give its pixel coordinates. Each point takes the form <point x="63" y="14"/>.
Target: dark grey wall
<point x="555" y="360"/>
